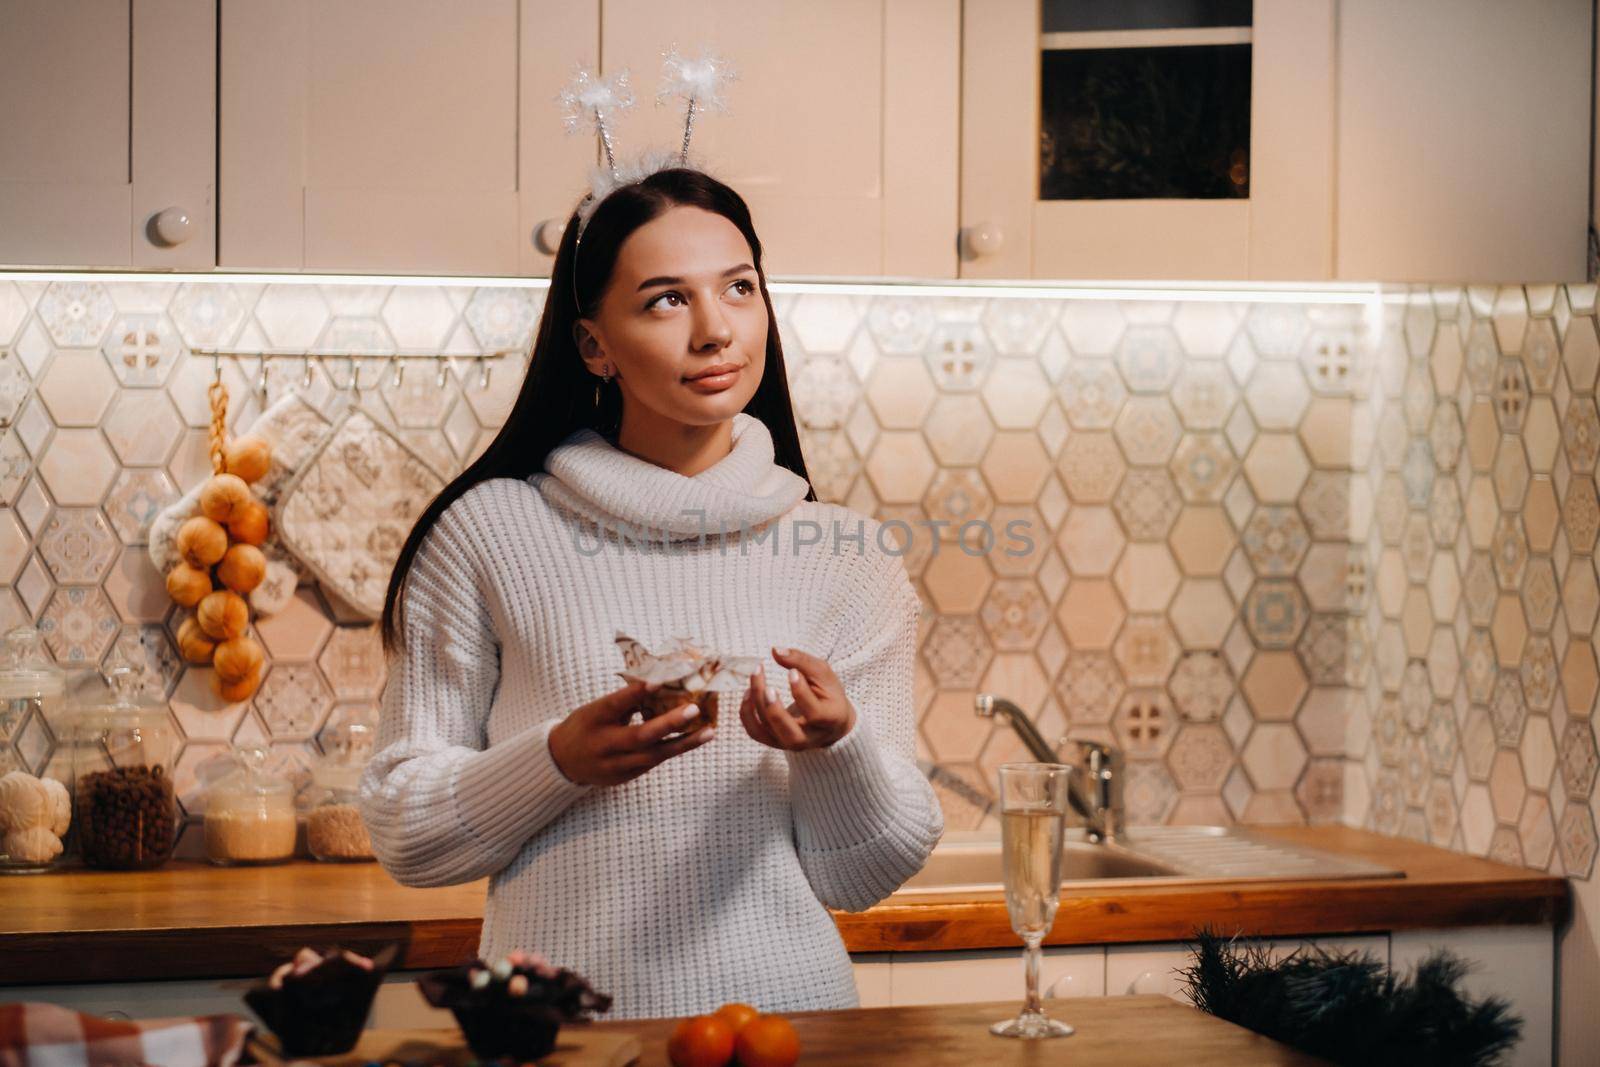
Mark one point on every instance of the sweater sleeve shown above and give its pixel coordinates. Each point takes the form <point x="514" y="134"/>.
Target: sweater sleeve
<point x="442" y="807"/>
<point x="865" y="816"/>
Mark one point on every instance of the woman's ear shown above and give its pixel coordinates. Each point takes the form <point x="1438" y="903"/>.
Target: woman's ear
<point x="589" y="348"/>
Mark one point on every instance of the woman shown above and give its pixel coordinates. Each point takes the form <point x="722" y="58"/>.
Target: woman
<point x="675" y="870"/>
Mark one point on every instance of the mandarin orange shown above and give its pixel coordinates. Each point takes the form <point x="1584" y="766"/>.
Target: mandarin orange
<point x="701" y="1041"/>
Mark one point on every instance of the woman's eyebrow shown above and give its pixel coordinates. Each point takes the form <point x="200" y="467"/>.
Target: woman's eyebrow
<point x="669" y="280"/>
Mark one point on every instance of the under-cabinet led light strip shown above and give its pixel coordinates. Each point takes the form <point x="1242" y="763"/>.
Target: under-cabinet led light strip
<point x="1332" y="293"/>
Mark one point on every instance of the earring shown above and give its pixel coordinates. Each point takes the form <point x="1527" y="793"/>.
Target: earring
<point x="605" y="379"/>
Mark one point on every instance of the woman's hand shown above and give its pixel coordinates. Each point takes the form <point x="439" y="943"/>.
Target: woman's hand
<point x="819" y="716"/>
<point x="596" y="745"/>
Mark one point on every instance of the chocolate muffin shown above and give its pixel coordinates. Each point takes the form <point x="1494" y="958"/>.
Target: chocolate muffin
<point x="317" y="1003"/>
<point x="513" y="1007"/>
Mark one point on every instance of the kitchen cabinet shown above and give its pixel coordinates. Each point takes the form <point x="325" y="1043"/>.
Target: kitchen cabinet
<point x="1483" y="174"/>
<point x="1427" y="141"/>
<point x="950" y="977"/>
<point x="397" y="136"/>
<point x="1514" y="962"/>
<point x="109" y="128"/>
<point x="842" y="126"/>
<point x="407" y="137"/>
<point x="1281" y="230"/>
<point x="1136" y="969"/>
<point x="1435" y="140"/>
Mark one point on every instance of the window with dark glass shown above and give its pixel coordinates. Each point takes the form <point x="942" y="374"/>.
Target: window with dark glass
<point x="1144" y="99"/>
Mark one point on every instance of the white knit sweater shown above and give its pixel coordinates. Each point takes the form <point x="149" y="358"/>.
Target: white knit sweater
<point x="704" y="880"/>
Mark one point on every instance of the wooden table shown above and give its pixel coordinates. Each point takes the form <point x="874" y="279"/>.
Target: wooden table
<point x="1126" y="1031"/>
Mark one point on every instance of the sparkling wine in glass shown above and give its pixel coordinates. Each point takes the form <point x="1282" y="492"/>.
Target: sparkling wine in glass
<point x="1033" y="813"/>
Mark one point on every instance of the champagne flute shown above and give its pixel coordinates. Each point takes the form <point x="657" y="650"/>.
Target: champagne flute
<point x="1033" y="815"/>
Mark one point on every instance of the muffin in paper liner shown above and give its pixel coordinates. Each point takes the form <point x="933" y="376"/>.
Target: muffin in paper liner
<point x="317" y="1003"/>
<point x="686" y="673"/>
<point x="513" y="1007"/>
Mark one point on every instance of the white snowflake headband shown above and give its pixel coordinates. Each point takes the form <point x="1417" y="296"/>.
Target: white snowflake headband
<point x="592" y="103"/>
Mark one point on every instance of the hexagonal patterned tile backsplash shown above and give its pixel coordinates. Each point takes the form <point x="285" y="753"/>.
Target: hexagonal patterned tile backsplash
<point x="1302" y="562"/>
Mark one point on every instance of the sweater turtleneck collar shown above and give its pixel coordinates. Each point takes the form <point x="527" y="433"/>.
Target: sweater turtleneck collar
<point x="743" y="490"/>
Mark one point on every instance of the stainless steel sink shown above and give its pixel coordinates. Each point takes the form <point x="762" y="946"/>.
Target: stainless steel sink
<point x="969" y="863"/>
<point x="977" y="863"/>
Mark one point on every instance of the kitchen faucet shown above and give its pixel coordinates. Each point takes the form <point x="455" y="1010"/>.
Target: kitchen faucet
<point x="1100" y="802"/>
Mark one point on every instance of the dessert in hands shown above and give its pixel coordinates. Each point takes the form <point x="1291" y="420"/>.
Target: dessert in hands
<point x="686" y="674"/>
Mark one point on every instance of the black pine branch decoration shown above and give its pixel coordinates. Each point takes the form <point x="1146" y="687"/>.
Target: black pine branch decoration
<point x="1348" y="1007"/>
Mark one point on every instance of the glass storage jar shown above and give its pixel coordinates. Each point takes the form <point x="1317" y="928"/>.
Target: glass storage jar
<point x="250" y="816"/>
<point x="35" y="808"/>
<point x="124" y="799"/>
<point x="334" y="830"/>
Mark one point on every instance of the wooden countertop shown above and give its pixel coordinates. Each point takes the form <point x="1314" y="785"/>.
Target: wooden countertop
<point x="1128" y="1031"/>
<point x="192" y="920"/>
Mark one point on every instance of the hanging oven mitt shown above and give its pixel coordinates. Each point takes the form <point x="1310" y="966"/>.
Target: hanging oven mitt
<point x="346" y="512"/>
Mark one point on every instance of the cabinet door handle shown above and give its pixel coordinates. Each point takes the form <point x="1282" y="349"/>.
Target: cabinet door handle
<point x="547" y="235"/>
<point x="982" y="239"/>
<point x="1062" y="987"/>
<point x="1145" y="982"/>
<point x="169" y="227"/>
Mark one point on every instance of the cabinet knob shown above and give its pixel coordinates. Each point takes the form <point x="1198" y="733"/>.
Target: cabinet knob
<point x="170" y="227"/>
<point x="547" y="235"/>
<point x="982" y="239"/>
<point x="1064" y="986"/>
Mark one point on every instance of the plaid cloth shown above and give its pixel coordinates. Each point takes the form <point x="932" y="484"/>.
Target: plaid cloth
<point x="34" y="1034"/>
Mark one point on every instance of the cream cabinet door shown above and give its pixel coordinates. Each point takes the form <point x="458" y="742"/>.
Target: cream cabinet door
<point x="1147" y="968"/>
<point x="1283" y="230"/>
<point x="1156" y="967"/>
<point x="994" y="974"/>
<point x="1517" y="963"/>
<point x="1464" y="138"/>
<point x="398" y="136"/>
<point x="107" y="118"/>
<point x="841" y="129"/>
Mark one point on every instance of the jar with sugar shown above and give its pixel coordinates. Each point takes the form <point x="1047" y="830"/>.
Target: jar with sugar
<point x="250" y="815"/>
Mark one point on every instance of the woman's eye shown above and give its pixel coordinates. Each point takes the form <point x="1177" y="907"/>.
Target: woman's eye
<point x="744" y="285"/>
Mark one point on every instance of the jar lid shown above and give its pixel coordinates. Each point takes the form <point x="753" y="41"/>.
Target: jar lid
<point x="127" y="706"/>
<point x="26" y="669"/>
<point x="250" y="778"/>
<point x="331" y="775"/>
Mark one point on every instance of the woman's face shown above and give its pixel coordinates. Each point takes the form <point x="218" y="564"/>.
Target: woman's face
<point x="684" y="299"/>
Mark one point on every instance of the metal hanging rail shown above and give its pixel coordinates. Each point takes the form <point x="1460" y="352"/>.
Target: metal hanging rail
<point x="395" y="361"/>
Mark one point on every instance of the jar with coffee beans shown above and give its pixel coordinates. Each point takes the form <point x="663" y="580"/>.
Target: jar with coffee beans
<point x="124" y="802"/>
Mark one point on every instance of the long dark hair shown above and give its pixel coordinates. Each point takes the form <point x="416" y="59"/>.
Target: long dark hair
<point x="558" y="394"/>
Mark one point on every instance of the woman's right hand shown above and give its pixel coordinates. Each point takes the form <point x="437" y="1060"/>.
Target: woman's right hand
<point x="596" y="745"/>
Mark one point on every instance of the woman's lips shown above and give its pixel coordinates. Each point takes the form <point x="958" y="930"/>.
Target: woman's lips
<point x="715" y="383"/>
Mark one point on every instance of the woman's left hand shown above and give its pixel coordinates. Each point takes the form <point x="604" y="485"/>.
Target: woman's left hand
<point x="819" y="716"/>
